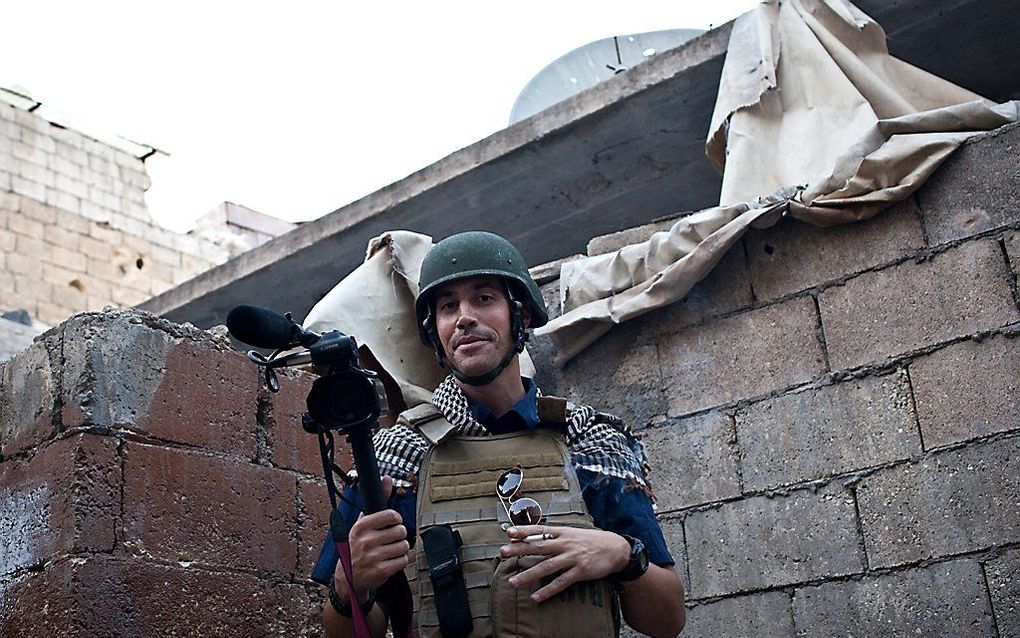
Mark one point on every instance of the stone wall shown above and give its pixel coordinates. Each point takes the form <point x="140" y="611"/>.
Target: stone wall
<point x="151" y="486"/>
<point x="75" y="233"/>
<point x="832" y="416"/>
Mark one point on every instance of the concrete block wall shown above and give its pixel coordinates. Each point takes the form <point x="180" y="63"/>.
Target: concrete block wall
<point x="75" y="233"/>
<point x="832" y="416"/>
<point x="150" y="485"/>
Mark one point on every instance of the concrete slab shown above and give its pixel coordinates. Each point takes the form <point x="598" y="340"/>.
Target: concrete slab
<point x="621" y="154"/>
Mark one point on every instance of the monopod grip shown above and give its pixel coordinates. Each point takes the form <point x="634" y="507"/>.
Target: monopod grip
<point x="369" y="481"/>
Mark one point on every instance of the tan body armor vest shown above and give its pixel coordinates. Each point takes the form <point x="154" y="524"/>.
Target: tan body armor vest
<point x="457" y="486"/>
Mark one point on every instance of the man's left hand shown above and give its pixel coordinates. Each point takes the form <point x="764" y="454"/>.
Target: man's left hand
<point x="574" y="554"/>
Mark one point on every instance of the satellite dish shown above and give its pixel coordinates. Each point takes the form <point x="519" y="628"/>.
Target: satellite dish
<point x="590" y="64"/>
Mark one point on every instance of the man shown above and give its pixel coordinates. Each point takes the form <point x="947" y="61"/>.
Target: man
<point x="453" y="464"/>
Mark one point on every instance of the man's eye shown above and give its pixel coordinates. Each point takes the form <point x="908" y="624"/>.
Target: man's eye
<point x="486" y="298"/>
<point x="446" y="306"/>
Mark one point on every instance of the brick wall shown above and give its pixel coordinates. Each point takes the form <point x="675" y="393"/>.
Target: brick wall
<point x="832" y="416"/>
<point x="151" y="486"/>
<point x="75" y="233"/>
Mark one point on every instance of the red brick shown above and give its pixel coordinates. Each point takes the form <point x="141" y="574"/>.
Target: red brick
<point x="206" y="398"/>
<point x="313" y="517"/>
<point x="64" y="499"/>
<point x="107" y="597"/>
<point x="26" y="400"/>
<point x="290" y="445"/>
<point x="181" y="505"/>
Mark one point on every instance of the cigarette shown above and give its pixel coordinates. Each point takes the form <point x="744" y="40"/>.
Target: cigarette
<point x="537" y="537"/>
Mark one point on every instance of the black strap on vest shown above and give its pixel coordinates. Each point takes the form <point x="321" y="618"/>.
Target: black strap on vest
<point x="442" y="549"/>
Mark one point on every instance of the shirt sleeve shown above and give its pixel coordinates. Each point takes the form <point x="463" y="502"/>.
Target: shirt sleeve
<point x="617" y="507"/>
<point x="403" y="501"/>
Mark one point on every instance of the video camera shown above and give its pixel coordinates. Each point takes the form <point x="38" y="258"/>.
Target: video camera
<point x="345" y="395"/>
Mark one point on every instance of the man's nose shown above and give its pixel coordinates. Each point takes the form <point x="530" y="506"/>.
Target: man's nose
<point x="466" y="318"/>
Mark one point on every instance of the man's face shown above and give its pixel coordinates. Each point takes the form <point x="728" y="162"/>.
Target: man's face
<point x="473" y="323"/>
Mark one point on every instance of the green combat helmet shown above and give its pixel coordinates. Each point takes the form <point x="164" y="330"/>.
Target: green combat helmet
<point x="478" y="254"/>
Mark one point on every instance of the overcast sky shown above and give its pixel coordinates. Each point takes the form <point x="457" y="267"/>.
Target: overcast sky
<point x="295" y="109"/>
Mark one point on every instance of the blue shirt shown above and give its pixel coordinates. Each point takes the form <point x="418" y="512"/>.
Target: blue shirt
<point x="614" y="505"/>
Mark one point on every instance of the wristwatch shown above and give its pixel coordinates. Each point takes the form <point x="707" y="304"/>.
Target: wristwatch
<point x="343" y="607"/>
<point x="638" y="564"/>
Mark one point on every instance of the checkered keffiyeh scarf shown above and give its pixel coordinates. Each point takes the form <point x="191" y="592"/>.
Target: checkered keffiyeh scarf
<point x="598" y="442"/>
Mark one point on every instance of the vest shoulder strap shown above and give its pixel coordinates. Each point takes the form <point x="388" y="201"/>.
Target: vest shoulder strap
<point x="428" y="421"/>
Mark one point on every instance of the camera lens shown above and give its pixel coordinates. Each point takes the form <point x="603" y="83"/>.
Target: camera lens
<point x="341" y="400"/>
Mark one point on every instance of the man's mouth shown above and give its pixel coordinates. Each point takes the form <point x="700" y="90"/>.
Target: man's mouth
<point x="468" y="340"/>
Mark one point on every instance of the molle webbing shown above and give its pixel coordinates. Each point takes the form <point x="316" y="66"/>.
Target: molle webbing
<point x="457" y="486"/>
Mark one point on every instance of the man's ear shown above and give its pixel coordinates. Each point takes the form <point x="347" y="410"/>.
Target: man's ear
<point x="526" y="315"/>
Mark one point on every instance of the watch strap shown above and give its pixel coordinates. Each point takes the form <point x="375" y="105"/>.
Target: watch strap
<point x="638" y="564"/>
<point x="343" y="607"/>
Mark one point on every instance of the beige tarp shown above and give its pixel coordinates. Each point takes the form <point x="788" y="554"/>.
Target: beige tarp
<point x="375" y="303"/>
<point x="812" y="109"/>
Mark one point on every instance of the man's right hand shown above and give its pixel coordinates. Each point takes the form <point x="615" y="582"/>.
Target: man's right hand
<point x="379" y="549"/>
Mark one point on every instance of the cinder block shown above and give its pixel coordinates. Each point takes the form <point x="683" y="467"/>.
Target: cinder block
<point x="1004" y="588"/>
<point x="743" y="356"/>
<point x="63" y="201"/>
<point x="69" y="297"/>
<point x="219" y="512"/>
<point x="58" y="276"/>
<point x="95" y="249"/>
<point x="887" y="313"/>
<point x="673" y="532"/>
<point x="72" y="186"/>
<point x="128" y="297"/>
<point x="206" y="397"/>
<point x="765" y="615"/>
<point x="85" y="597"/>
<point x="28" y="188"/>
<point x="793" y="255"/>
<point x="36" y="210"/>
<point x="937" y="600"/>
<point x="1012" y="242"/>
<point x="977" y="189"/>
<point x="51" y="314"/>
<point x="968" y="390"/>
<point x="290" y="446"/>
<point x="106" y="234"/>
<point x="763" y="542"/>
<point x="36" y="173"/>
<point x="58" y="163"/>
<point x="24" y="225"/>
<point x="59" y="236"/>
<point x="614" y="241"/>
<point x="726" y="288"/>
<point x="65" y="499"/>
<point x="175" y="387"/>
<point x="67" y="259"/>
<point x="313" y="522"/>
<point x="38" y="140"/>
<point x="827" y="431"/>
<point x="28" y="154"/>
<point x="27" y="399"/>
<point x="613" y="375"/>
<point x="947" y="503"/>
<point x="19" y="264"/>
<point x="693" y="461"/>
<point x="69" y="147"/>
<point x="9" y="202"/>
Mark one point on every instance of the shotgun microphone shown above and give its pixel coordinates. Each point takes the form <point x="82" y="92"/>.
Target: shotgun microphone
<point x="263" y="328"/>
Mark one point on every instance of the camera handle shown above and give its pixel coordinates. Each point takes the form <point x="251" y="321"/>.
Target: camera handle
<point x="369" y="481"/>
